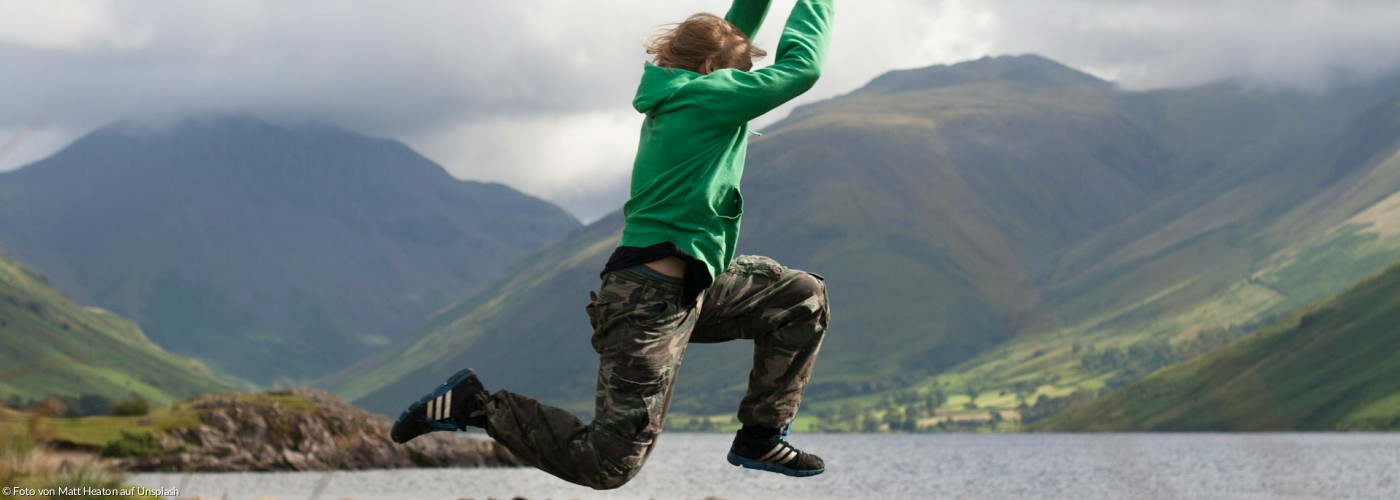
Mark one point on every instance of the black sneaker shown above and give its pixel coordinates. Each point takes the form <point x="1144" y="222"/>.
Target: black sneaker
<point x="457" y="403"/>
<point x="775" y="455"/>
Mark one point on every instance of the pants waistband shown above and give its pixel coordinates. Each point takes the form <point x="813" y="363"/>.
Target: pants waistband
<point x="643" y="274"/>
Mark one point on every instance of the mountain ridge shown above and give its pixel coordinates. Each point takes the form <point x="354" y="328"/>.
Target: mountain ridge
<point x="1019" y="69"/>
<point x="269" y="252"/>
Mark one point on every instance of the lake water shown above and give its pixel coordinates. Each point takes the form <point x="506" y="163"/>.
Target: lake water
<point x="892" y="466"/>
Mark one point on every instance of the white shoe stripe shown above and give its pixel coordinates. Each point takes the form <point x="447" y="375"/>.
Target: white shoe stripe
<point x="774" y="453"/>
<point x="447" y="404"/>
<point x="431" y="412"/>
<point x="438" y="406"/>
<point x="791" y="455"/>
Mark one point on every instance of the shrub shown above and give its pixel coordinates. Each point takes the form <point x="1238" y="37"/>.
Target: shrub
<point x="131" y="405"/>
<point x="140" y="444"/>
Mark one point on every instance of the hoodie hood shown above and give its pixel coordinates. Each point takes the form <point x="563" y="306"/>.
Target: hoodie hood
<point x="658" y="85"/>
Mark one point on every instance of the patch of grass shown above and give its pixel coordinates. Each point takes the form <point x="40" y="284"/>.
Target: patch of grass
<point x="957" y="402"/>
<point x="292" y="401"/>
<point x="1384" y="408"/>
<point x="96" y="432"/>
<point x="997" y="399"/>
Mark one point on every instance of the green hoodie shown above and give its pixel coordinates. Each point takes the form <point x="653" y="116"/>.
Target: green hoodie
<point x="685" y="180"/>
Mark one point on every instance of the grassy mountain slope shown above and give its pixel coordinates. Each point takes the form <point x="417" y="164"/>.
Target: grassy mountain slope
<point x="268" y="252"/>
<point x="1193" y="275"/>
<point x="51" y="346"/>
<point x="1256" y="210"/>
<point x="937" y="203"/>
<point x="1335" y="366"/>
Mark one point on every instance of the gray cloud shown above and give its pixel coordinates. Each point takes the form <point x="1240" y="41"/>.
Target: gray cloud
<point x="1301" y="44"/>
<point x="536" y="93"/>
<point x="378" y="66"/>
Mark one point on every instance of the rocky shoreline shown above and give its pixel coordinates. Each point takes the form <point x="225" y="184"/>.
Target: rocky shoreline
<point x="296" y="430"/>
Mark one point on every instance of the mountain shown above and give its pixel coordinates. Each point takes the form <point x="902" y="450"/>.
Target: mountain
<point x="1299" y="197"/>
<point x="269" y="252"/>
<point x="1334" y="366"/>
<point x="960" y="214"/>
<point x="51" y="346"/>
<point x="1212" y="263"/>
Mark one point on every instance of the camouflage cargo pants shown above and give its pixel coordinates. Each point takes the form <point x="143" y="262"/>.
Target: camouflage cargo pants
<point x="641" y="330"/>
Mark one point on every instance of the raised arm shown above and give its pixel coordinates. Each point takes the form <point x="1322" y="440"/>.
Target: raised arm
<point x="747" y="15"/>
<point x="736" y="96"/>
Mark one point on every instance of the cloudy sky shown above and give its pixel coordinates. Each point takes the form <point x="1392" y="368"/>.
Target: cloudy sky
<point x="536" y="93"/>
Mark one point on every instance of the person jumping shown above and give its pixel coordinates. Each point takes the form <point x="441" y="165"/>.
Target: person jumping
<point x="673" y="279"/>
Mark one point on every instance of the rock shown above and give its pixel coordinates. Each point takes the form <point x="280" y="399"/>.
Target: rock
<point x="303" y="429"/>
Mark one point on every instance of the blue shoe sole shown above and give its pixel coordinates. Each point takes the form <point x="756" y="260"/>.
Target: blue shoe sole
<point x="749" y="463"/>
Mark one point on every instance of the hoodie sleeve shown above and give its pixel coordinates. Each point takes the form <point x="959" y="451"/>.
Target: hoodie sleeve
<point x="747" y="15"/>
<point x="735" y="97"/>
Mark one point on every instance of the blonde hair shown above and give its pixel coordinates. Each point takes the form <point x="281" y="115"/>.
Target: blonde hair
<point x="703" y="43"/>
